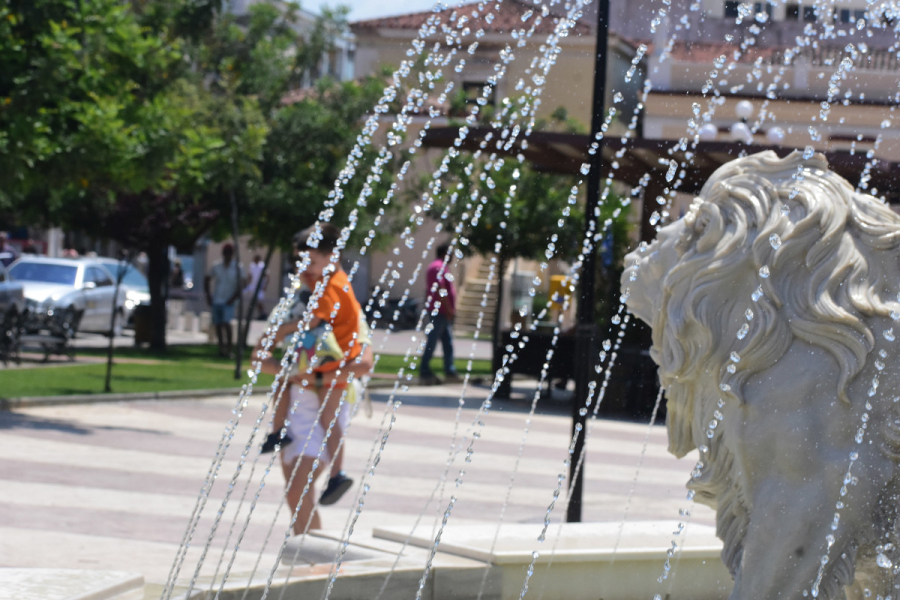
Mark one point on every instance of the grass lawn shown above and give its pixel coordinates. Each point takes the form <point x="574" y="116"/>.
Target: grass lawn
<point x="180" y="368"/>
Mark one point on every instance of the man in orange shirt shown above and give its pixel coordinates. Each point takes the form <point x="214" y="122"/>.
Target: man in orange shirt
<point x="338" y="310"/>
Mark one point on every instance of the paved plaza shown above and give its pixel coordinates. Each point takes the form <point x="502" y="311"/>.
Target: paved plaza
<point x="112" y="485"/>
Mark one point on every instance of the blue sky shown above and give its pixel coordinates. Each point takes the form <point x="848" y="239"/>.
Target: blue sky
<point x="370" y="9"/>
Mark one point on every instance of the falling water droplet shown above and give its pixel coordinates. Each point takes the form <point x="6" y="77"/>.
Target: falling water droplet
<point x="743" y="331"/>
<point x="775" y="241"/>
<point x="673" y="167"/>
<point x="883" y="561"/>
<point x="764" y="271"/>
<point x="808" y="152"/>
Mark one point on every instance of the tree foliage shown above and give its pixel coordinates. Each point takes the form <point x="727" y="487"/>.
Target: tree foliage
<point x="102" y="110"/>
<point x="526" y="208"/>
<point x="542" y="218"/>
<point x="138" y="120"/>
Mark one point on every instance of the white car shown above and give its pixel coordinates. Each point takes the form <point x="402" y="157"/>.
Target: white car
<point x="137" y="290"/>
<point x="83" y="284"/>
<point x="11" y="295"/>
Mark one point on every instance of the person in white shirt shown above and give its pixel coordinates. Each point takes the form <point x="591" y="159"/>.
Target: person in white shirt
<point x="229" y="281"/>
<point x="257" y="272"/>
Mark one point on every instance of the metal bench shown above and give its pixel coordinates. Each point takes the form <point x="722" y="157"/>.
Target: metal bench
<point x="51" y="331"/>
<point x="10" y="331"/>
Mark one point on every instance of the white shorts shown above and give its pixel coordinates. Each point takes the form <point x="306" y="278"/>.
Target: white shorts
<point x="305" y="415"/>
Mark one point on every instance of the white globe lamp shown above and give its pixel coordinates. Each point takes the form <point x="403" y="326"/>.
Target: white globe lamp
<point x="775" y="136"/>
<point x="708" y="132"/>
<point x="744" y="109"/>
<point x="741" y="133"/>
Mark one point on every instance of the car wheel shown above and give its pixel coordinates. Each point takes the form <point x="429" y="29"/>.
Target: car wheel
<point x="119" y="326"/>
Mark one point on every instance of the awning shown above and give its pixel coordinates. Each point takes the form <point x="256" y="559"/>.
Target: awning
<point x="567" y="152"/>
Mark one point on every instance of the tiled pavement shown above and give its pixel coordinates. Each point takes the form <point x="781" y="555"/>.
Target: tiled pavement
<point x="112" y="486"/>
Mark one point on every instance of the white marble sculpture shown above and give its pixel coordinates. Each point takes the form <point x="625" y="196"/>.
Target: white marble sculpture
<point x="773" y="306"/>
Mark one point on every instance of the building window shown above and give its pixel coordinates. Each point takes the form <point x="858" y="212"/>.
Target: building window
<point x="792" y="12"/>
<point x="809" y="14"/>
<point x="763" y="7"/>
<point x="845" y="15"/>
<point x="731" y="9"/>
<point x="473" y="91"/>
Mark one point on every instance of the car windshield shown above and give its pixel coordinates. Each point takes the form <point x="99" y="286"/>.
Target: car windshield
<point x="187" y="266"/>
<point x="45" y="272"/>
<point x="133" y="277"/>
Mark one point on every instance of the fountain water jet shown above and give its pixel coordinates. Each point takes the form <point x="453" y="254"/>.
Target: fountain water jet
<point x="681" y="169"/>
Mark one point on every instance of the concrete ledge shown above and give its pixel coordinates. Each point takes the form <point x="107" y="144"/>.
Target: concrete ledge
<point x="363" y="573"/>
<point x="591" y="560"/>
<point x="381" y="381"/>
<point x="31" y="401"/>
<point x="69" y="584"/>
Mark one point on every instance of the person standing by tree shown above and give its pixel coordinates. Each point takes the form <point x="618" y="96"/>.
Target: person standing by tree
<point x="257" y="272"/>
<point x="176" y="278"/>
<point x="8" y="254"/>
<point x="229" y="281"/>
<point x="441" y="298"/>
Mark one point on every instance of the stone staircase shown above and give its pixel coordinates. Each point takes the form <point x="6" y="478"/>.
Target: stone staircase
<point x="471" y="295"/>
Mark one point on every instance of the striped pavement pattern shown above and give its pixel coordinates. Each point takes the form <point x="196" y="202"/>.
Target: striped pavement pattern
<point x="112" y="486"/>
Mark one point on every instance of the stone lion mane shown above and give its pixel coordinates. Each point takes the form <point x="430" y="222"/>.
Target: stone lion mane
<point x="837" y="265"/>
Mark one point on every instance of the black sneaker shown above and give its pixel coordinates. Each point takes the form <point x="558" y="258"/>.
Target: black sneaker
<point x="429" y="380"/>
<point x="274" y="441"/>
<point x="337" y="487"/>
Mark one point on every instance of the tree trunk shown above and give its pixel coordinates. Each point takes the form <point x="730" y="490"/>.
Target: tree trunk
<point x="497" y="356"/>
<point x="158" y="280"/>
<point x="252" y="308"/>
<point x="120" y="274"/>
<point x="238" y="347"/>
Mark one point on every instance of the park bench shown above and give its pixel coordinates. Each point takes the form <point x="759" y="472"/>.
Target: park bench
<point x="10" y="330"/>
<point x="51" y="332"/>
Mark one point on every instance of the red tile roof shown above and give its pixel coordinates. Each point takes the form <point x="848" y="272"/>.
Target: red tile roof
<point x="707" y="52"/>
<point x="506" y="18"/>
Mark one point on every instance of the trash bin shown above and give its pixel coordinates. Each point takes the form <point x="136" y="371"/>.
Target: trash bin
<point x="143" y="324"/>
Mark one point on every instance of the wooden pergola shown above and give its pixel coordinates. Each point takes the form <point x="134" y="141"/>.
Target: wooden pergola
<point x="567" y="152"/>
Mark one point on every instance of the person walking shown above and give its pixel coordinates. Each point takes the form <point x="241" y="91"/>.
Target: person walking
<point x="337" y="339"/>
<point x="441" y="298"/>
<point x="229" y="281"/>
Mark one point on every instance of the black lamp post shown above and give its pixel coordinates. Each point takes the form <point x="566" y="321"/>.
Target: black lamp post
<point x="586" y="332"/>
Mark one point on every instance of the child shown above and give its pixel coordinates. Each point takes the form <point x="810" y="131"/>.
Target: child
<point x="338" y="308"/>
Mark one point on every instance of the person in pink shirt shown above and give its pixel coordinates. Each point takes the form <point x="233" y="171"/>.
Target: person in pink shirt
<point x="441" y="306"/>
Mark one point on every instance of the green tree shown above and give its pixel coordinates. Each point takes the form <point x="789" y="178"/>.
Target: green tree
<point x="107" y="128"/>
<point x="313" y="122"/>
<point x="546" y="210"/>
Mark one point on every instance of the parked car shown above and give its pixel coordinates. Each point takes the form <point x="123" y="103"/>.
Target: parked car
<point x="187" y="267"/>
<point x="137" y="290"/>
<point x="12" y="295"/>
<point x="83" y="284"/>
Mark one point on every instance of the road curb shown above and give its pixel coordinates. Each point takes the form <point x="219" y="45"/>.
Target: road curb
<point x="7" y="404"/>
<point x="32" y="401"/>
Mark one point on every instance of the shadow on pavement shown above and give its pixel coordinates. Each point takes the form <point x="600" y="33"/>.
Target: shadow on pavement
<point x="14" y="420"/>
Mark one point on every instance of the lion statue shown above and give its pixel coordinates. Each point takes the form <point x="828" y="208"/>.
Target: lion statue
<point x="774" y="306"/>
